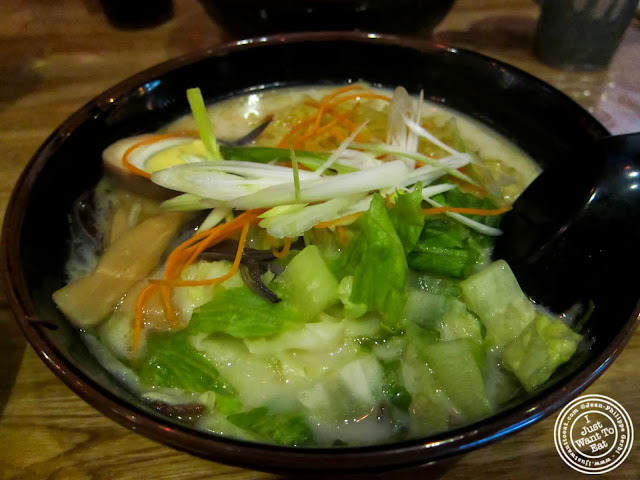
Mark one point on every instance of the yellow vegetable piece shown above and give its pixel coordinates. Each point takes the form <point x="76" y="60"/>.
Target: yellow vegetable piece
<point x="174" y="156"/>
<point x="119" y="224"/>
<point x="132" y="210"/>
<point x="91" y="299"/>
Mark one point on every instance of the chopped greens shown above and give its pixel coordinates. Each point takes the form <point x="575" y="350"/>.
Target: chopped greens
<point x="376" y="260"/>
<point x="282" y="428"/>
<point x="540" y="348"/>
<point x="171" y="361"/>
<point x="241" y="313"/>
<point x="449" y="248"/>
<point x="407" y="217"/>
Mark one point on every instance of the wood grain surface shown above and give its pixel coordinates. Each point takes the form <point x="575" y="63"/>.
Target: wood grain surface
<point x="57" y="55"/>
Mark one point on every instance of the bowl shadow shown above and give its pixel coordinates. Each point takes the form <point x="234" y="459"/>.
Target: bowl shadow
<point x="432" y="471"/>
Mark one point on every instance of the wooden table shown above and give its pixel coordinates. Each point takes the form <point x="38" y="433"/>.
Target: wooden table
<point x="55" y="56"/>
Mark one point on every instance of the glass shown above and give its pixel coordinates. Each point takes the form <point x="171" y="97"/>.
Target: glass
<point x="581" y="34"/>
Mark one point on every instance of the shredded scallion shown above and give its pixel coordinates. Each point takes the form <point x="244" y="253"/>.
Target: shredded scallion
<point x="296" y="174"/>
<point x="203" y="123"/>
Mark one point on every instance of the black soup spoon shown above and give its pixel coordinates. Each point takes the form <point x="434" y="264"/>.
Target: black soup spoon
<point x="574" y="233"/>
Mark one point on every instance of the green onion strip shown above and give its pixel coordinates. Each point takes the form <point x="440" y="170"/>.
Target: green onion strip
<point x="296" y="174"/>
<point x="203" y="123"/>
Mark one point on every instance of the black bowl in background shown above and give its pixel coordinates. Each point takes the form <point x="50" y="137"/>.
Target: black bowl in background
<point x="127" y="15"/>
<point x="539" y="119"/>
<point x="244" y="18"/>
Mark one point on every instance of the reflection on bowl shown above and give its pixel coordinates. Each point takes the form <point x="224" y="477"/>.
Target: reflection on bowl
<point x="254" y="17"/>
<point x="508" y="100"/>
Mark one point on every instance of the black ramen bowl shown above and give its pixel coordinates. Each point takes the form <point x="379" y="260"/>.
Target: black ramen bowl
<point x="536" y="117"/>
<point x="259" y="17"/>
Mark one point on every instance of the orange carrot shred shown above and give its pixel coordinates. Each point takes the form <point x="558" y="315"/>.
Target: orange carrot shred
<point x="342" y="234"/>
<point x="341" y="90"/>
<point x="187" y="252"/>
<point x="466" y="210"/>
<point x="211" y="281"/>
<point x="476" y="190"/>
<point x="169" y="311"/>
<point x="300" y="141"/>
<point x="387" y="201"/>
<point x="137" y="330"/>
<point x="290" y="165"/>
<point x="338" y="134"/>
<point x="222" y="231"/>
<point x="326" y="106"/>
<point x="284" y="143"/>
<point x="323" y="105"/>
<point x="354" y="96"/>
<point x="285" y="249"/>
<point x="195" y="251"/>
<point x="340" y="221"/>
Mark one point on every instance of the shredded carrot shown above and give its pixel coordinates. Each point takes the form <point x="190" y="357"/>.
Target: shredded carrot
<point x="148" y="141"/>
<point x="466" y="210"/>
<point x="316" y="123"/>
<point x="271" y="241"/>
<point x="340" y="221"/>
<point x="285" y="249"/>
<point x="340" y="90"/>
<point x="324" y="105"/>
<point x="387" y="201"/>
<point x="353" y="96"/>
<point x="166" y="284"/>
<point x="420" y="163"/>
<point x="312" y="103"/>
<point x="342" y="234"/>
<point x="284" y="143"/>
<point x="169" y="311"/>
<point x="476" y="190"/>
<point x="336" y="133"/>
<point x="327" y="106"/>
<point x="295" y="130"/>
<point x="211" y="281"/>
<point x="318" y="130"/>
<point x="343" y="119"/>
<point x="187" y="252"/>
<point x="137" y="330"/>
<point x="290" y="165"/>
<point x="224" y="231"/>
<point x="348" y="124"/>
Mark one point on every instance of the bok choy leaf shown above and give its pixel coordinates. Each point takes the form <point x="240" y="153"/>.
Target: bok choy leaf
<point x="282" y="428"/>
<point x="376" y="259"/>
<point x="407" y="218"/>
<point x="171" y="361"/>
<point x="241" y="313"/>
